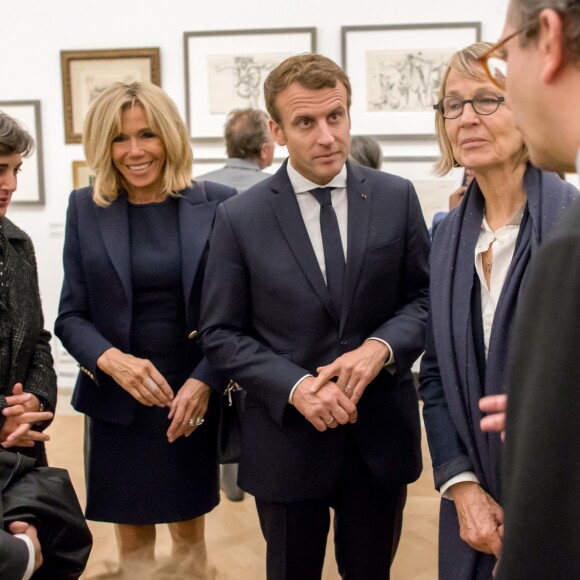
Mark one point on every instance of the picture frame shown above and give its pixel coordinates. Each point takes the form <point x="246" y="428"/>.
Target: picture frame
<point x="395" y="71"/>
<point x="86" y="73"/>
<point x="433" y="191"/>
<point x="82" y="174"/>
<point x="30" y="190"/>
<point x="225" y="69"/>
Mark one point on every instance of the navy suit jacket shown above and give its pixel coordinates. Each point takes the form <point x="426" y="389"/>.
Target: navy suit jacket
<point x="268" y="320"/>
<point x="96" y="300"/>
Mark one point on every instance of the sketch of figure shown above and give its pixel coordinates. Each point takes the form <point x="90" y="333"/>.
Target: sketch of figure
<point x="404" y="80"/>
<point x="235" y="81"/>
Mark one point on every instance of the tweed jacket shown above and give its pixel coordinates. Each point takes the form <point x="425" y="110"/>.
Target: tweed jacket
<point x="25" y="355"/>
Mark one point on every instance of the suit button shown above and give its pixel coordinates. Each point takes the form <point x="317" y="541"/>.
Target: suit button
<point x="192" y="334"/>
<point x="343" y="341"/>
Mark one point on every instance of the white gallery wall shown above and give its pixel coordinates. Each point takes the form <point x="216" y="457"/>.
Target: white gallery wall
<point x="34" y="32"/>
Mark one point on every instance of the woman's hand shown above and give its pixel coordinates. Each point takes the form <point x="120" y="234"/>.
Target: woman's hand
<point x="188" y="407"/>
<point x="480" y="517"/>
<point x="137" y="376"/>
<point x="22" y="412"/>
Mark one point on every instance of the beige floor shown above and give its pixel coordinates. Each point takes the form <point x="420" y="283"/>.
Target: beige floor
<point x="235" y="545"/>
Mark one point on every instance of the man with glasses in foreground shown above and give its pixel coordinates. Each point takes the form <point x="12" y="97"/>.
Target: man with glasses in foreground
<point x="542" y="468"/>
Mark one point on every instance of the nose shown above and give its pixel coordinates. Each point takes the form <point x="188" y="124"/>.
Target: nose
<point x="135" y="147"/>
<point x="468" y="115"/>
<point x="8" y="182"/>
<point x="325" y="135"/>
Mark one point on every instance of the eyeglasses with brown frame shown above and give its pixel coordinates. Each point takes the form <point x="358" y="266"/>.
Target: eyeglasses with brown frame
<point x="495" y="66"/>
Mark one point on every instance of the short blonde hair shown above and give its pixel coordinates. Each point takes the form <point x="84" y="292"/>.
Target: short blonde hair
<point x="464" y="62"/>
<point x="103" y="124"/>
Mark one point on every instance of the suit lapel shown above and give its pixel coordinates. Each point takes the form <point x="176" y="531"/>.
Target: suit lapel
<point x="359" y="215"/>
<point x="196" y="216"/>
<point x="114" y="224"/>
<point x="287" y="212"/>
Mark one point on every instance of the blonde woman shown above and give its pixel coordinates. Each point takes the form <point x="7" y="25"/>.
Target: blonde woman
<point x="479" y="261"/>
<point x="134" y="258"/>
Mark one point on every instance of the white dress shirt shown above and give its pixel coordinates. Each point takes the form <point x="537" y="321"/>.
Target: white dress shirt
<point x="31" y="555"/>
<point x="310" y="210"/>
<point x="504" y="244"/>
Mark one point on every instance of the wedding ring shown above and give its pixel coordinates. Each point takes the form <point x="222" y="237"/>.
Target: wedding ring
<point x="196" y="422"/>
<point x="192" y="422"/>
<point x="150" y="384"/>
<point x="329" y="422"/>
<point x="348" y="387"/>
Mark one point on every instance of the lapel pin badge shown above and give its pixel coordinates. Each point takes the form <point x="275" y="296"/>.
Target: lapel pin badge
<point x="364" y="196"/>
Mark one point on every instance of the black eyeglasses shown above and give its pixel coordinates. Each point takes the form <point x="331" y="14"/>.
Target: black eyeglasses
<point x="484" y="103"/>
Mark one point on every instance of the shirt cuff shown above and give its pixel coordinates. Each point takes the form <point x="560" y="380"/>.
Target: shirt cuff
<point x="459" y="478"/>
<point x="390" y="362"/>
<point x="31" y="557"/>
<point x="294" y="388"/>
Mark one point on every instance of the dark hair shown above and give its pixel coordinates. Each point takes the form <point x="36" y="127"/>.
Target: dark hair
<point x="366" y="151"/>
<point x="245" y="131"/>
<point x="525" y="13"/>
<point x="13" y="137"/>
<point x="312" y="71"/>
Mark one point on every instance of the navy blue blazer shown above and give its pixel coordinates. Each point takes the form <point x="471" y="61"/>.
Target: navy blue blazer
<point x="268" y="320"/>
<point x="96" y="299"/>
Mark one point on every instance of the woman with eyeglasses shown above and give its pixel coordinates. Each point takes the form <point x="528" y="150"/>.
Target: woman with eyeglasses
<point x="478" y="265"/>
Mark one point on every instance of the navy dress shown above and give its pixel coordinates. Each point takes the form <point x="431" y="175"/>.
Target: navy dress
<point x="151" y="480"/>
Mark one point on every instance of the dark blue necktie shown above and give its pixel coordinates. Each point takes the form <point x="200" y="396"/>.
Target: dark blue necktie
<point x="332" y="244"/>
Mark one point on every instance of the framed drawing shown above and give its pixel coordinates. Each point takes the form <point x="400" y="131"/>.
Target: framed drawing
<point x="433" y="191"/>
<point x="31" y="179"/>
<point x="395" y="72"/>
<point x="82" y="175"/>
<point x="226" y="69"/>
<point x="87" y="73"/>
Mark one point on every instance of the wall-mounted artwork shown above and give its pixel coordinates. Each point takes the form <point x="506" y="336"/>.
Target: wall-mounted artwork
<point x="395" y="72"/>
<point x="433" y="191"/>
<point x="87" y="73"/>
<point x="226" y="69"/>
<point x="82" y="174"/>
<point x="31" y="178"/>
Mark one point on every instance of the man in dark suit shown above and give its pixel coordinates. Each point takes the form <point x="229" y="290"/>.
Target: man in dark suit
<point x="542" y="466"/>
<point x="322" y="345"/>
<point x="250" y="149"/>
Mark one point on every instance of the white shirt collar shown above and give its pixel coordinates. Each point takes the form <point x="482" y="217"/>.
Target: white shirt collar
<point x="302" y="185"/>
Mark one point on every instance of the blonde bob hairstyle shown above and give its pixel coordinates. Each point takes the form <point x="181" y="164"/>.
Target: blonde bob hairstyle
<point x="103" y="124"/>
<point x="464" y="62"/>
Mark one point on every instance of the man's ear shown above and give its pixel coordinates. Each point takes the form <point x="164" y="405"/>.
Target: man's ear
<point x="551" y="44"/>
<point x="277" y="132"/>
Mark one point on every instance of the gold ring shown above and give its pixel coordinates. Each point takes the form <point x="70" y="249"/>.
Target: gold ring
<point x="331" y="420"/>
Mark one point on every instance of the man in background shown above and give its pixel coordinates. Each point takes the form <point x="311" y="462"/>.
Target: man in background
<point x="250" y="149"/>
<point x="542" y="490"/>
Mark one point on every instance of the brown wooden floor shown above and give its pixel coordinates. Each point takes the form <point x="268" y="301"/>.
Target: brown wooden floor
<point x="235" y="545"/>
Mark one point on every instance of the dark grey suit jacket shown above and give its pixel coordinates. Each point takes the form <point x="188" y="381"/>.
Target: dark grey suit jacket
<point x="13" y="557"/>
<point x="267" y="320"/>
